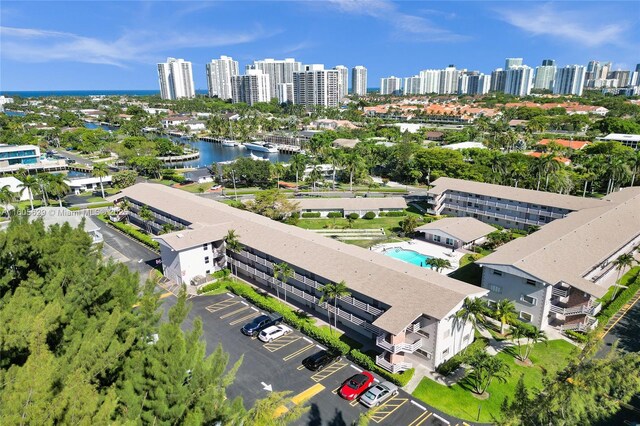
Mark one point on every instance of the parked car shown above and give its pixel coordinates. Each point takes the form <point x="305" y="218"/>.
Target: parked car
<point x="378" y="394"/>
<point x="274" y="332"/>
<point x="354" y="386"/>
<point x="320" y="360"/>
<point x="260" y="323"/>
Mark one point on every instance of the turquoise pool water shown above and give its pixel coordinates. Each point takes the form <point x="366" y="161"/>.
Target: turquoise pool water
<point x="409" y="256"/>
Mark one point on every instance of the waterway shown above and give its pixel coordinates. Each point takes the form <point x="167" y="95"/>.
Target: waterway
<point x="210" y="152"/>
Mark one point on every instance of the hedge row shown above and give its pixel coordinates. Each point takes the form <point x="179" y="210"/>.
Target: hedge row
<point x="334" y="215"/>
<point x="134" y="233"/>
<point x="621" y="299"/>
<point x="577" y="336"/>
<point x="322" y="335"/>
<point x="311" y="214"/>
<point x="393" y="214"/>
<point x="211" y="287"/>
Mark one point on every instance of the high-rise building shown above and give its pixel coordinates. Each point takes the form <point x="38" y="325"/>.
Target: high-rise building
<point x="569" y="80"/>
<point x="278" y="70"/>
<point x="359" y="80"/>
<point x="545" y="75"/>
<point x="518" y="81"/>
<point x="478" y="84"/>
<point x="498" y="78"/>
<point x="316" y="86"/>
<point x="284" y="93"/>
<point x="343" y="80"/>
<point x="176" y="79"/>
<point x="448" y="80"/>
<point x="512" y="62"/>
<point x="250" y="88"/>
<point x="390" y="85"/>
<point x="430" y="81"/>
<point x="621" y="78"/>
<point x="219" y="73"/>
<point x="412" y="85"/>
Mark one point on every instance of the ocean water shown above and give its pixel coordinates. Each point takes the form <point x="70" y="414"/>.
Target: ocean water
<point x="50" y="93"/>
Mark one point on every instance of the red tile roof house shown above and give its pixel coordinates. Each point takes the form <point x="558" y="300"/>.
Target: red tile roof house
<point x="565" y="143"/>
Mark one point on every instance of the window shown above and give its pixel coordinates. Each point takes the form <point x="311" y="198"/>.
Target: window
<point x="495" y="288"/>
<point x="469" y="203"/>
<point x="528" y="299"/>
<point x="208" y="271"/>
<point x="496" y="272"/>
<point x="205" y="246"/>
<point x="436" y="238"/>
<point x="531" y="282"/>
<point x="445" y="352"/>
<point x="466" y="338"/>
<point x="497" y="209"/>
<point x="449" y="241"/>
<point x="206" y="259"/>
<point x="526" y="316"/>
<point x="495" y="218"/>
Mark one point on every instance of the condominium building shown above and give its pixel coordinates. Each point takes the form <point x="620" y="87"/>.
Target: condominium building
<point x="176" y="79"/>
<point x="251" y="88"/>
<point x="505" y="206"/>
<point x="545" y="75"/>
<point x="18" y="154"/>
<point x="284" y="93"/>
<point x="548" y="63"/>
<point x="512" y="62"/>
<point x="478" y="84"/>
<point x="555" y="275"/>
<point x="621" y="78"/>
<point x="219" y="73"/>
<point x="498" y="78"/>
<point x="412" y="85"/>
<point x="390" y="85"/>
<point x="569" y="80"/>
<point x="448" y="80"/>
<point x="597" y="74"/>
<point x="278" y="70"/>
<point x="430" y="80"/>
<point x="408" y="312"/>
<point x="343" y="80"/>
<point x="359" y="80"/>
<point x="316" y="86"/>
<point x="518" y="80"/>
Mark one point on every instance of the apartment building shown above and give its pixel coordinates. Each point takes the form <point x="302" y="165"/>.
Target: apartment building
<point x="251" y="88"/>
<point x="407" y="311"/>
<point x="176" y="79"/>
<point x="390" y="85"/>
<point x="343" y="80"/>
<point x="278" y="70"/>
<point x="502" y="205"/>
<point x="555" y="275"/>
<point x="219" y="73"/>
<point x="18" y="154"/>
<point x="569" y="80"/>
<point x="316" y="86"/>
<point x="518" y="80"/>
<point x="359" y="80"/>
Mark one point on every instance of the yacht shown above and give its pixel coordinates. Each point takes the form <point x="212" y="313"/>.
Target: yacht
<point x="229" y="142"/>
<point x="261" y="146"/>
<point x="256" y="158"/>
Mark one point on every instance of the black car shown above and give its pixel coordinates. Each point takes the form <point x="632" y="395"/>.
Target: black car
<point x="260" y="323"/>
<point x="320" y="360"/>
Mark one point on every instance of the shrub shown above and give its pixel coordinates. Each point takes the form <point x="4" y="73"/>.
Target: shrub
<point x="311" y="214"/>
<point x="452" y="364"/>
<point x="222" y="273"/>
<point x="518" y="231"/>
<point x="613" y="306"/>
<point x="354" y="216"/>
<point x="133" y="232"/>
<point x="578" y="337"/>
<point x="369" y="215"/>
<point x="210" y="287"/>
<point x="394" y="214"/>
<point x="335" y="215"/>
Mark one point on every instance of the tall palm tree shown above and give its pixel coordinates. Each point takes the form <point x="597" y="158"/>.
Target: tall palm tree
<point x="43" y="182"/>
<point x="298" y="163"/>
<point x="333" y="291"/>
<point x="335" y="157"/>
<point x="472" y="311"/>
<point x="517" y="171"/>
<point x="314" y="176"/>
<point x="353" y="163"/>
<point x="533" y="335"/>
<point x="635" y="166"/>
<point x="232" y="242"/>
<point x="100" y="170"/>
<point x="282" y="271"/>
<point x="147" y="216"/>
<point x="58" y="187"/>
<point x="29" y="184"/>
<point x="6" y="198"/>
<point x="505" y="310"/>
<point x="278" y="170"/>
<point x="618" y="171"/>
<point x="623" y="261"/>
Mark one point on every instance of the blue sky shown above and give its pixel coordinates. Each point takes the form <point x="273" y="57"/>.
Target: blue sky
<point x="52" y="45"/>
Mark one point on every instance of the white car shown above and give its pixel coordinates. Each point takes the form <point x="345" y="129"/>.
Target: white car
<point x="274" y="332"/>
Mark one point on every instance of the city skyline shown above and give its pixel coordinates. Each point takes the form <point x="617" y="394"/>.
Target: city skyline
<point x="115" y="45"/>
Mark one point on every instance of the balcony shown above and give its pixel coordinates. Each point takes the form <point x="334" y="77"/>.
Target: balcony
<point x="585" y="309"/>
<point x="394" y="368"/>
<point x="584" y="327"/>
<point x="560" y="291"/>
<point x="382" y="342"/>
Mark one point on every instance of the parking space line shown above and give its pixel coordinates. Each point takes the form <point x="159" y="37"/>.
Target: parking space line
<point x="354" y="402"/>
<point x="230" y="295"/>
<point x="421" y="419"/>
<point x="300" y="367"/>
<point x="336" y="390"/>
<point x="254" y="309"/>
<point x="239" y="320"/>
<point x="418" y="405"/>
<point x="308" y="340"/>
<point x="300" y="398"/>
<point x="280" y="343"/>
<point x="332" y="369"/>
<point x="221" y="305"/>
<point x="234" y="312"/>
<point x="445" y="421"/>
<point x="321" y="348"/>
<point x="244" y="303"/>
<point x="388" y="408"/>
<point x="359" y="370"/>
<point x="298" y="352"/>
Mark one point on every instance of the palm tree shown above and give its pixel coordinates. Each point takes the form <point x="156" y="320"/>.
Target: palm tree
<point x="58" y="187"/>
<point x="521" y="331"/>
<point x="439" y="264"/>
<point x="147" y="216"/>
<point x="472" y="311"/>
<point x="282" y="271"/>
<point x="635" y="166"/>
<point x="533" y="335"/>
<point x="43" y="183"/>
<point x="6" y="198"/>
<point x="298" y="163"/>
<point x="517" y="171"/>
<point x="623" y="261"/>
<point x="232" y="242"/>
<point x="333" y="291"/>
<point x="278" y="170"/>
<point x="505" y="310"/>
<point x="100" y="170"/>
<point x="29" y="184"/>
<point x="314" y="176"/>
<point x="335" y="157"/>
<point x="353" y="163"/>
<point x="618" y="171"/>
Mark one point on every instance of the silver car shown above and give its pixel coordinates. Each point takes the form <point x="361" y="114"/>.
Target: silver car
<point x="378" y="394"/>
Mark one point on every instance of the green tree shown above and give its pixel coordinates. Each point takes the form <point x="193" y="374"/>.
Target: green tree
<point x="147" y="217"/>
<point x="333" y="291"/>
<point x="438" y="263"/>
<point x="100" y="170"/>
<point x="297" y="164"/>
<point x="232" y="243"/>
<point x="282" y="272"/>
<point x="6" y="198"/>
<point x="409" y="225"/>
<point x="29" y="184"/>
<point x="272" y="204"/>
<point x="484" y="369"/>
<point x="353" y="164"/>
<point x="505" y="312"/>
<point x="58" y="187"/>
<point x="622" y="262"/>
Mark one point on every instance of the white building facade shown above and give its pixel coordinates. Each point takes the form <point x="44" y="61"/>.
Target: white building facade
<point x="343" y="80"/>
<point x="359" y="80"/>
<point x="569" y="80"/>
<point x="251" y="88"/>
<point x="430" y="80"/>
<point x="390" y="85"/>
<point x="518" y="80"/>
<point x="176" y="79"/>
<point x="219" y="73"/>
<point x="278" y="70"/>
<point x="316" y="86"/>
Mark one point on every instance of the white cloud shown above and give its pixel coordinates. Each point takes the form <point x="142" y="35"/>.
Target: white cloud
<point x="575" y="25"/>
<point x="37" y="45"/>
<point x="412" y="27"/>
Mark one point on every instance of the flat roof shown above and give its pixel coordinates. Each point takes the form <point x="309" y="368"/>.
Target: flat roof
<point x="531" y="196"/>
<point x="373" y="203"/>
<point x="463" y="228"/>
<point x="568" y="249"/>
<point x="622" y="137"/>
<point x="409" y="290"/>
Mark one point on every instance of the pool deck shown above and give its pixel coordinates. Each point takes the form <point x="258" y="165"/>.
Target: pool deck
<point x="427" y="249"/>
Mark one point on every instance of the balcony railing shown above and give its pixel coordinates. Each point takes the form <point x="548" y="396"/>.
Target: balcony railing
<point x="494" y="214"/>
<point x="394" y="368"/>
<point x="511" y="207"/>
<point x="413" y="328"/>
<point x="586" y="309"/>
<point x="581" y="326"/>
<point x="398" y="347"/>
<point x="560" y="291"/>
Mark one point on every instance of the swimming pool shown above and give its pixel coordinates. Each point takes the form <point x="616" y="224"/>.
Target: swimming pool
<point x="408" y="256"/>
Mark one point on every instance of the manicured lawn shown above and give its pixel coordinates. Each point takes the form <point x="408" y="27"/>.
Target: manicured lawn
<point x="354" y="344"/>
<point x="624" y="280"/>
<point x="25" y="205"/>
<point x="162" y="181"/>
<point x="197" y="187"/>
<point x="458" y="401"/>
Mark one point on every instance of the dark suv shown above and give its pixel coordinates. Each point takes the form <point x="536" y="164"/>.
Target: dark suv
<point x="320" y="360"/>
<point x="260" y="323"/>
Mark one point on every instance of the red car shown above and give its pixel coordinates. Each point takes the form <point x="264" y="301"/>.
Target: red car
<point x="354" y="386"/>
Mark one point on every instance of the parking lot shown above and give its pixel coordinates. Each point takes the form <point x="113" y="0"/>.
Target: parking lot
<point x="276" y="366"/>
